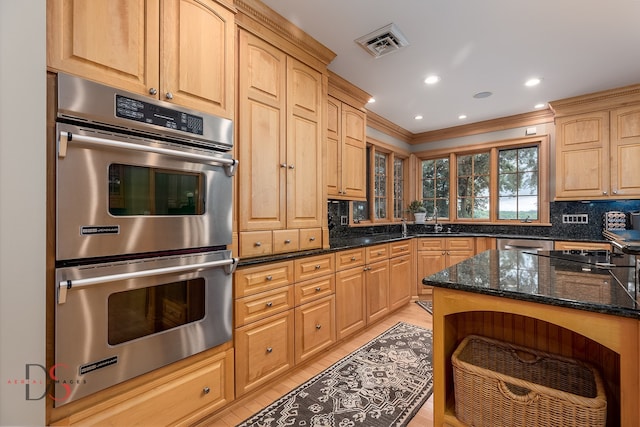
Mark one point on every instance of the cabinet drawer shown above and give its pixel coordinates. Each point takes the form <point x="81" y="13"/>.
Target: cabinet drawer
<point x="264" y="350"/>
<point x="430" y="244"/>
<point x="350" y="258"/>
<point x="399" y="248"/>
<point x="285" y="241"/>
<point x="255" y="243"/>
<point x="314" y="289"/>
<point x="315" y="327"/>
<point x="308" y="268"/>
<point x="252" y="280"/>
<point x="310" y="238"/>
<point x="460" y="243"/>
<point x="256" y="307"/>
<point x="377" y="253"/>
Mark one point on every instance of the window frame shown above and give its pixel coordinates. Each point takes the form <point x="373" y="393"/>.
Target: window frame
<point x="493" y="148"/>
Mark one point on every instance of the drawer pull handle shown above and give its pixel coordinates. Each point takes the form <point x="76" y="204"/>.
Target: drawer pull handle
<point x="353" y="258"/>
<point x="269" y="349"/>
<point x="318" y="266"/>
<point x="269" y="278"/>
<point x="286" y="242"/>
<point x="379" y="252"/>
<point x="269" y="304"/>
<point x="318" y="326"/>
<point x="312" y="239"/>
<point x="206" y="390"/>
<point x="257" y="244"/>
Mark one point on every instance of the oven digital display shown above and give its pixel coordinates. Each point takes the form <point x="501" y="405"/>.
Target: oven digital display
<point x="146" y="112"/>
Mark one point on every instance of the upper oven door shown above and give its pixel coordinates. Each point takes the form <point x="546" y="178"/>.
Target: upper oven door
<point x="122" y="194"/>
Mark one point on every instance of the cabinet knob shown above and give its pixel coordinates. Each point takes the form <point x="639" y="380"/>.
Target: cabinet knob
<point x="318" y="266"/>
<point x="318" y="289"/>
<point x="283" y="165"/>
<point x="291" y="166"/>
<point x="353" y="258"/>
<point x="444" y="253"/>
<point x="269" y="349"/>
<point x="286" y="242"/>
<point x="379" y="252"/>
<point x="153" y="91"/>
<point x="318" y="326"/>
<point x="169" y="95"/>
<point x="615" y="191"/>
<point x="312" y="239"/>
<point x="269" y="278"/>
<point x="257" y="244"/>
<point x="206" y="390"/>
<point x="269" y="304"/>
<point x="604" y="192"/>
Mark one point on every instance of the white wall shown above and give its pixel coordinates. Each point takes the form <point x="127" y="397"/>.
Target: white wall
<point x="22" y="206"/>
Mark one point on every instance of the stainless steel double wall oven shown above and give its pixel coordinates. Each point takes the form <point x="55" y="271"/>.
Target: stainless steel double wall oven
<point x="143" y="218"/>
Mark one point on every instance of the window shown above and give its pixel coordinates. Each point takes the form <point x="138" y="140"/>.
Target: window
<point x="473" y="186"/>
<point x="398" y="188"/>
<point x="435" y="186"/>
<point x="518" y="186"/>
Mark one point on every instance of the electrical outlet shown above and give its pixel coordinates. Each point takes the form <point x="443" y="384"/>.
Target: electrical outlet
<point x="344" y="220"/>
<point x="575" y="219"/>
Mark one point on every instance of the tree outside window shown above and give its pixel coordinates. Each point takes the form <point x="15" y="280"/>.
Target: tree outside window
<point x="518" y="186"/>
<point x="435" y="186"/>
<point x="473" y="185"/>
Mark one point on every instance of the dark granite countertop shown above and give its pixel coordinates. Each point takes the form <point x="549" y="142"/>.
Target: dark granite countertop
<point x="547" y="280"/>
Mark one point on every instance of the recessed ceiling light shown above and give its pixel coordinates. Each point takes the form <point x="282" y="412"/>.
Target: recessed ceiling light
<point x="541" y="105"/>
<point x="480" y="95"/>
<point x="371" y="100"/>
<point x="418" y="117"/>
<point x="533" y="82"/>
<point x="462" y="116"/>
<point x="432" y="79"/>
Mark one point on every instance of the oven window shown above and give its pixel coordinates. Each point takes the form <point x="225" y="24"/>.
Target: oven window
<point x="141" y="312"/>
<point x="138" y="190"/>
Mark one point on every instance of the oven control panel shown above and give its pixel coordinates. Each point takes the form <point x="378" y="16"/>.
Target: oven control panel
<point x="145" y="112"/>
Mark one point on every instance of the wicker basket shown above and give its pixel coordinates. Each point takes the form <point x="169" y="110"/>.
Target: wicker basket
<point x="500" y="384"/>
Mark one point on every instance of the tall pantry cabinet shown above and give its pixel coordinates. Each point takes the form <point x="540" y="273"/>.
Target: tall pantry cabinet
<point x="280" y="150"/>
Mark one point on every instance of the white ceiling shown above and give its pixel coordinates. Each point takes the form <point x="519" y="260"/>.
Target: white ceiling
<point x="575" y="46"/>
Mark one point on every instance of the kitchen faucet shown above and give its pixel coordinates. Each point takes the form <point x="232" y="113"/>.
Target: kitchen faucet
<point x="404" y="227"/>
<point x="437" y="227"/>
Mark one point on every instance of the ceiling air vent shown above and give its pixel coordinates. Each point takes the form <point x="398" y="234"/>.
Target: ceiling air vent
<point x="383" y="41"/>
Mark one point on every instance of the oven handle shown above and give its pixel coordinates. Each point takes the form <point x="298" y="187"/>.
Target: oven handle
<point x="66" y="285"/>
<point x="66" y="137"/>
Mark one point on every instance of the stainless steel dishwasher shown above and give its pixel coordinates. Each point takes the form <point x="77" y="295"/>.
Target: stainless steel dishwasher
<point x="524" y="244"/>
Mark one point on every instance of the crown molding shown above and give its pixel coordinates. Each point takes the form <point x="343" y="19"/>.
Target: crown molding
<point x="603" y="100"/>
<point x="346" y="92"/>
<point x="383" y="125"/>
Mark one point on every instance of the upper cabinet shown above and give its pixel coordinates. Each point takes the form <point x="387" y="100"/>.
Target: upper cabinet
<point x="598" y="145"/>
<point x="346" y="141"/>
<point x="179" y="51"/>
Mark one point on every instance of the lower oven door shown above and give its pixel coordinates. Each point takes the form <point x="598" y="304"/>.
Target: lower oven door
<point x="116" y="321"/>
<point x="128" y="194"/>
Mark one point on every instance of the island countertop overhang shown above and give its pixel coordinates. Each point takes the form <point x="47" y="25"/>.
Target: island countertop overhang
<point x="530" y="277"/>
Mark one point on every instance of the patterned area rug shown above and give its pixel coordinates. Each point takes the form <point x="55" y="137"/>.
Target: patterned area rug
<point x="427" y="305"/>
<point x="383" y="383"/>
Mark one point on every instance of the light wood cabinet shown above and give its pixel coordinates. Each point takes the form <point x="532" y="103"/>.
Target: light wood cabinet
<point x="598" y="146"/>
<point x="436" y="254"/>
<point x="179" y="51"/>
<point x="279" y="147"/>
<point x="346" y="151"/>
<point x="377" y="278"/>
<point x="400" y="281"/>
<point x="351" y="309"/>
<point x="315" y="327"/>
<point x="179" y="398"/>
<point x="567" y="245"/>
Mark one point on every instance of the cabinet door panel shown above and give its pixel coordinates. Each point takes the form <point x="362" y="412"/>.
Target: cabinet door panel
<point x="115" y="42"/>
<point x="351" y="311"/>
<point x="400" y="281"/>
<point x="377" y="290"/>
<point x="429" y="262"/>
<point x="197" y="55"/>
<point x="354" y="152"/>
<point x="625" y="151"/>
<point x="334" y="157"/>
<point x="315" y="327"/>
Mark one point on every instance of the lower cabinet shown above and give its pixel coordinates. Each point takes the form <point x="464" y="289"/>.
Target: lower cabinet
<point x="179" y="398"/>
<point x="400" y="281"/>
<point x="351" y="309"/>
<point x="315" y="327"/>
<point x="377" y="277"/>
<point x="438" y="253"/>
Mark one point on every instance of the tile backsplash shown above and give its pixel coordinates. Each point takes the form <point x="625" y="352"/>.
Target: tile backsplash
<point x="592" y="230"/>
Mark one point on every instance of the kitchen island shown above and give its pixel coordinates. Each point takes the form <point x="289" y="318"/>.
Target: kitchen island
<point x="562" y="306"/>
